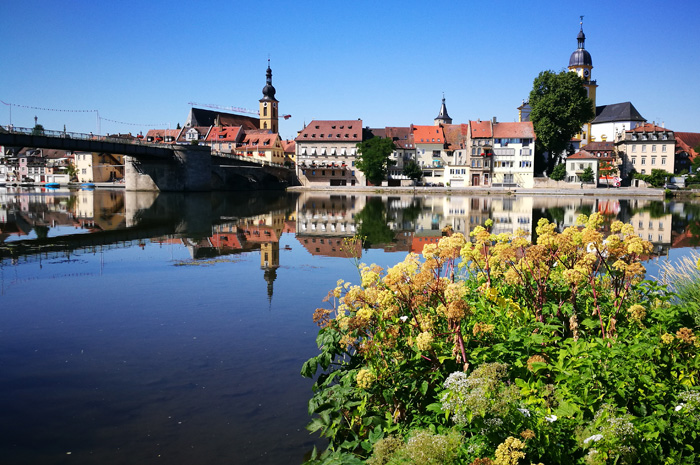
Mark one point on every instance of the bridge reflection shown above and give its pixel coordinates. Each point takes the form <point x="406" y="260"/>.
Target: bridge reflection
<point x="39" y="223"/>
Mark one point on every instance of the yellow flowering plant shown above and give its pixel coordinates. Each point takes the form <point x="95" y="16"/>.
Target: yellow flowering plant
<point x="494" y="335"/>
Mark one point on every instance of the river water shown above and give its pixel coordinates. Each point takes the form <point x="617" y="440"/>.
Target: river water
<point x="145" y="328"/>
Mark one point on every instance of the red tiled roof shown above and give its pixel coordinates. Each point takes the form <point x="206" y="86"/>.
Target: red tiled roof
<point x="333" y="130"/>
<point x="518" y="130"/>
<point x="224" y="134"/>
<point x="256" y="139"/>
<point x="599" y="146"/>
<point x="428" y="135"/>
<point x="481" y="129"/>
<point x="163" y="132"/>
<point x="686" y="142"/>
<point x="649" y="127"/>
<point x="289" y="146"/>
<point x="456" y="135"/>
<point x="582" y="154"/>
<point x="402" y="137"/>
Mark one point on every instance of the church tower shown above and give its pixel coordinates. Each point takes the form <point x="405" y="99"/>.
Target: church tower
<point x="581" y="63"/>
<point x="268" y="105"/>
<point x="443" y="117"/>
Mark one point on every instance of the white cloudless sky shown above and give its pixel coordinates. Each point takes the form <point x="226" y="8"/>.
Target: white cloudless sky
<point x="139" y="63"/>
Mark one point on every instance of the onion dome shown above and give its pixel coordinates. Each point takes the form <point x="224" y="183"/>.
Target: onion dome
<point x="581" y="57"/>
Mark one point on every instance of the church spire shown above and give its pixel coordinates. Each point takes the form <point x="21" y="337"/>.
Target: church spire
<point x="268" y="104"/>
<point x="443" y="117"/>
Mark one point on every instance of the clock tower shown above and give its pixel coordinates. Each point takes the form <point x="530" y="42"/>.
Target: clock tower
<point x="581" y="63"/>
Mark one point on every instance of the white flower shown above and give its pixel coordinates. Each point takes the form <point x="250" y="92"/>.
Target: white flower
<point x="524" y="411"/>
<point x="591" y="248"/>
<point x="594" y="438"/>
<point x="551" y="418"/>
<point x="403" y="318"/>
<point x="679" y="406"/>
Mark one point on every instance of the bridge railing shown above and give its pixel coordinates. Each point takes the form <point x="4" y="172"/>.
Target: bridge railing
<point x="81" y="136"/>
<point x="235" y="156"/>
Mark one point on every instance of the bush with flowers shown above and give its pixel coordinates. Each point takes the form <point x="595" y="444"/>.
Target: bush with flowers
<point x="509" y="352"/>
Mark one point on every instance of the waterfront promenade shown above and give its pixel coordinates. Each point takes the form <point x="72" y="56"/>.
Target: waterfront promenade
<point x="478" y="191"/>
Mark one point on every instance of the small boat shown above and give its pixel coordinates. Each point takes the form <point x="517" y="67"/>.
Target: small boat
<point x="52" y="184"/>
<point x="87" y="184"/>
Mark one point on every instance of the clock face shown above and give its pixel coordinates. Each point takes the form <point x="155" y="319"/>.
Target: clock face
<point x="585" y="72"/>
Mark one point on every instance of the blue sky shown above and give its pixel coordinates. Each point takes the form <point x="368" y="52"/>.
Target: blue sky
<point x="386" y="62"/>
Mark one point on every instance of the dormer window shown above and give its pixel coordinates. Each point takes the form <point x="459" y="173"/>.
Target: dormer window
<point x="317" y="127"/>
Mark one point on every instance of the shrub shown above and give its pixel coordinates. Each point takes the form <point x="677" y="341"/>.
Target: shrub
<point x="548" y="351"/>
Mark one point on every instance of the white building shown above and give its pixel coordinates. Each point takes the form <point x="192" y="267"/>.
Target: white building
<point x="514" y="154"/>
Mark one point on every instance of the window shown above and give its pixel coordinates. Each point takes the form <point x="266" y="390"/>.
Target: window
<point x="653" y="148"/>
<point x="644" y="160"/>
<point x="653" y="160"/>
<point x="644" y="148"/>
<point x="634" y="160"/>
<point x="663" y="148"/>
<point x="634" y="148"/>
<point x="663" y="160"/>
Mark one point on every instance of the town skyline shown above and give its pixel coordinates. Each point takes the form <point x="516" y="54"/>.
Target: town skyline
<point x="328" y="62"/>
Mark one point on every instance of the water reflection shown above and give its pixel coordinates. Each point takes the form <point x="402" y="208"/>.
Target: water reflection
<point x="175" y="325"/>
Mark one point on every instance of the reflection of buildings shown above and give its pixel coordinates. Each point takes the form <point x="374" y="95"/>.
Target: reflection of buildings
<point x="324" y="222"/>
<point x="260" y="232"/>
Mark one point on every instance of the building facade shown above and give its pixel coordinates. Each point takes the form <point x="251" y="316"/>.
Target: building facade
<point x="326" y="152"/>
<point x="647" y="147"/>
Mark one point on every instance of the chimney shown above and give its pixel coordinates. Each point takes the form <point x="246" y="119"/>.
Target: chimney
<point x="494" y="120"/>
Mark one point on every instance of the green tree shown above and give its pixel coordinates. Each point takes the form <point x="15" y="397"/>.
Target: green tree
<point x="560" y="106"/>
<point x="373" y="219"/>
<point x="587" y="175"/>
<point x="559" y="172"/>
<point x="413" y="171"/>
<point x="72" y="171"/>
<point x="373" y="158"/>
<point x="38" y="130"/>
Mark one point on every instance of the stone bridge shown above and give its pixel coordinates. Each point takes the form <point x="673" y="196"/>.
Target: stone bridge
<point x="161" y="167"/>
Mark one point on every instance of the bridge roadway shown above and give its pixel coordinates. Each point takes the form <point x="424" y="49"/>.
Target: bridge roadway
<point x="78" y="142"/>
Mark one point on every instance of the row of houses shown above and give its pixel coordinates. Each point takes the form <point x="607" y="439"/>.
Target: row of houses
<point x="474" y="154"/>
<point x="228" y="135"/>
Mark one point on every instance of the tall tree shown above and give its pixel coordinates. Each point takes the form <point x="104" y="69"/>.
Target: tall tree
<point x="373" y="158"/>
<point x="560" y="107"/>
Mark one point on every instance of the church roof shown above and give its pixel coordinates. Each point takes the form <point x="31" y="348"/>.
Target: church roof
<point x="443" y="116"/>
<point x="624" y="111"/>
<point x="581" y="57"/>
<point x="202" y="117"/>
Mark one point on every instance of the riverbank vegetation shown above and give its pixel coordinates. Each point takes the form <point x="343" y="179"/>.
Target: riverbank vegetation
<point x="495" y="350"/>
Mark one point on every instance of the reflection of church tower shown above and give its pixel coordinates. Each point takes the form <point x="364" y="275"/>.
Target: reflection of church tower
<point x="581" y="63"/>
<point x="270" y="261"/>
<point x="268" y="105"/>
<point x="443" y="117"/>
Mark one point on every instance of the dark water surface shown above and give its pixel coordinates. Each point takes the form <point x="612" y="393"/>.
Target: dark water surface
<point x="144" y="328"/>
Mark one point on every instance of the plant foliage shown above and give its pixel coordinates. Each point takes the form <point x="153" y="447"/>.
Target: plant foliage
<point x="552" y="352"/>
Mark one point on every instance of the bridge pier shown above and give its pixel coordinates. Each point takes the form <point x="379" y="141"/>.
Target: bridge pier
<point x="188" y="171"/>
